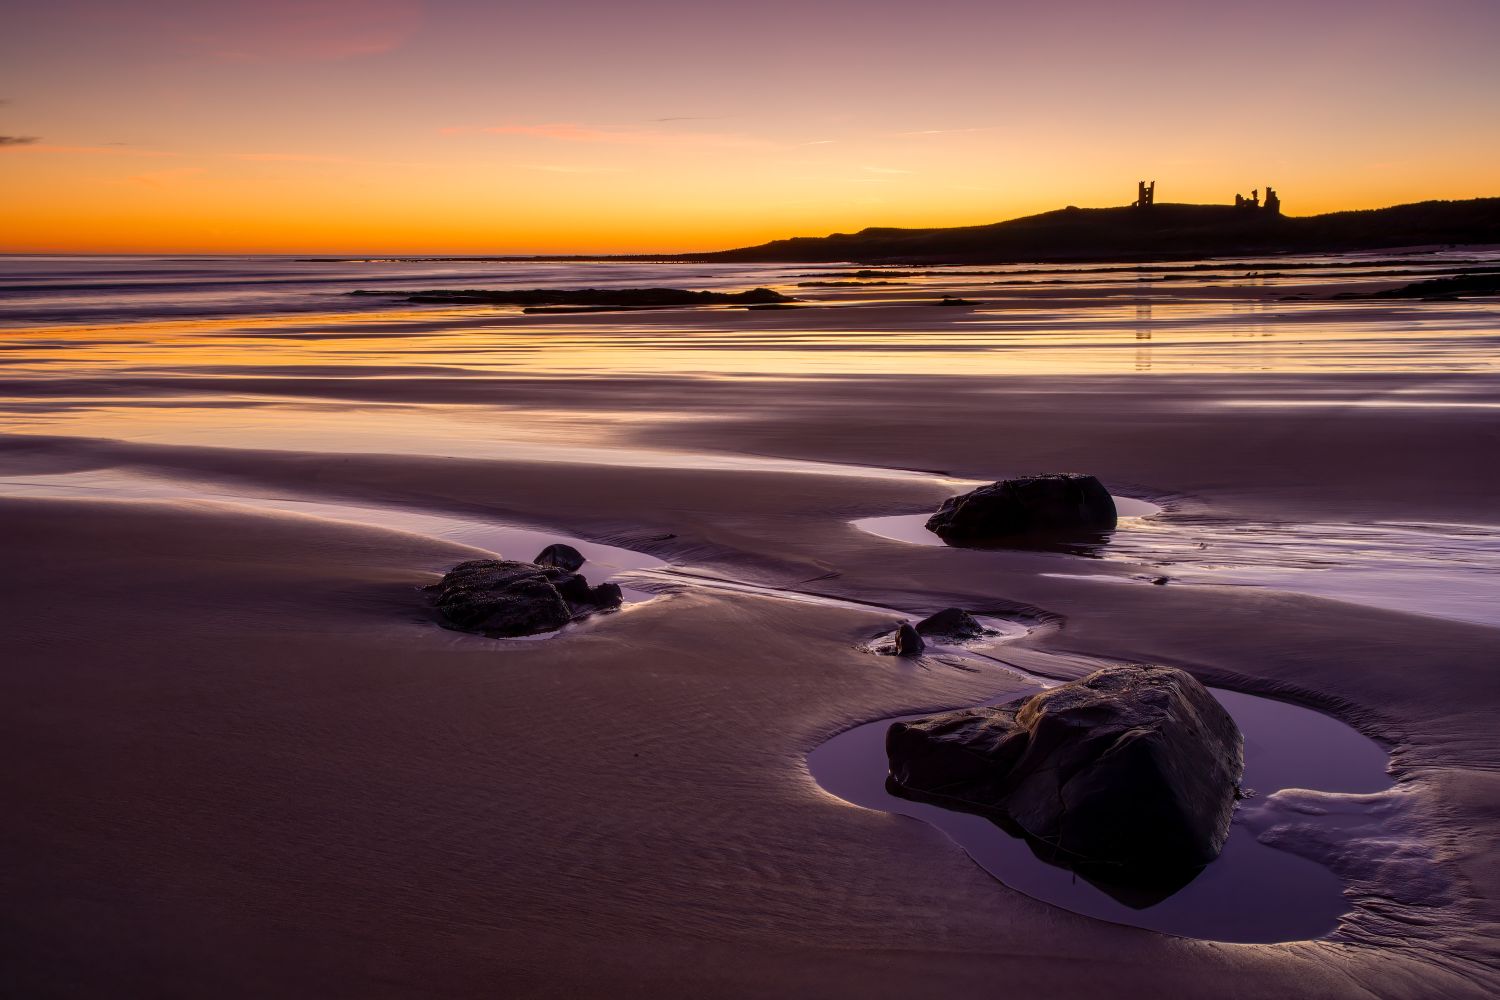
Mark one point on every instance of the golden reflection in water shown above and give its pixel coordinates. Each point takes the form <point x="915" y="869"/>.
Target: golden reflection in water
<point x="816" y="341"/>
<point x="1143" y="337"/>
<point x="397" y="377"/>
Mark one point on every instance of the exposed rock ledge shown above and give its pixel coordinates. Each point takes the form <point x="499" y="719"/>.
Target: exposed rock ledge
<point x="594" y="298"/>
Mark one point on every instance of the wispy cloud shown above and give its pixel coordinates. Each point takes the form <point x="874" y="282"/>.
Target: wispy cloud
<point x="562" y="168"/>
<point x="948" y="131"/>
<point x="18" y="140"/>
<point x="169" y="177"/>
<point x="326" y="159"/>
<point x="290" y="158"/>
<point x="825" y="179"/>
<point x="31" y="145"/>
<point x="272" y="31"/>
<point x="886" y="170"/>
<point x="577" y="132"/>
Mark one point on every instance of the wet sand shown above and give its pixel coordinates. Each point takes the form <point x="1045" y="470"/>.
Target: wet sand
<point x="242" y="759"/>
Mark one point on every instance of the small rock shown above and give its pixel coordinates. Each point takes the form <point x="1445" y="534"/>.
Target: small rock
<point x="504" y="598"/>
<point x="908" y="641"/>
<point x="606" y="595"/>
<point x="561" y="556"/>
<point x="951" y="623"/>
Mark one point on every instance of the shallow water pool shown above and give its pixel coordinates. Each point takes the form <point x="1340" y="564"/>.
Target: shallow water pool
<point x="1251" y="893"/>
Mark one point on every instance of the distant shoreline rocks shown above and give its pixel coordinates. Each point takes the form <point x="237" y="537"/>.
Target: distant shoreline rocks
<point x="1445" y="289"/>
<point x="591" y="299"/>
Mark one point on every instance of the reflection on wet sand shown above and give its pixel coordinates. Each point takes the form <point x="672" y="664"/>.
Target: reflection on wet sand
<point x="285" y="321"/>
<point x="735" y="447"/>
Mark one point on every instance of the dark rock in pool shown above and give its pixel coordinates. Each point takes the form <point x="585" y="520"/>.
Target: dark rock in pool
<point x="1056" y="505"/>
<point x="1130" y="769"/>
<point x="504" y="598"/>
<point x="952" y="623"/>
<point x="908" y="641"/>
<point x="560" y="556"/>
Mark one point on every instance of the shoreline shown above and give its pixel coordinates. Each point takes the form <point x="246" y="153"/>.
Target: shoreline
<point x="485" y="650"/>
<point x="239" y="750"/>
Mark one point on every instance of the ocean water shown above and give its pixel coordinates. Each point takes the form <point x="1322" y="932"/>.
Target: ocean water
<point x="1252" y="892"/>
<point x="265" y="352"/>
<point x="264" y="311"/>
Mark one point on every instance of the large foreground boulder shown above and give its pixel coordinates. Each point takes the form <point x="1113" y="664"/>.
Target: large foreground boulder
<point x="1130" y="768"/>
<point x="504" y="598"/>
<point x="1056" y="505"/>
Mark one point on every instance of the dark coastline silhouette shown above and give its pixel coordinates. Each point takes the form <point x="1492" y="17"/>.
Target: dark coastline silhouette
<point x="1146" y="230"/>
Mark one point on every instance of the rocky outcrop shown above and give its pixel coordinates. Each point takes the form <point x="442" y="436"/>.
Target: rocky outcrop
<point x="1060" y="505"/>
<point x="504" y="598"/>
<point x="603" y="298"/>
<point x="1134" y="769"/>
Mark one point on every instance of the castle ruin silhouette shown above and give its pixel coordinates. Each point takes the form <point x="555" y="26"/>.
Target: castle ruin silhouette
<point x="1145" y="197"/>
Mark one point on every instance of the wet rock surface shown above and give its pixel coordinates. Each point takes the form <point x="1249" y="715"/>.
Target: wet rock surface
<point x="504" y="598"/>
<point x="951" y="626"/>
<point x="908" y="641"/>
<point x="560" y="556"/>
<point x="1132" y="771"/>
<point x="1057" y="505"/>
<point x="954" y="624"/>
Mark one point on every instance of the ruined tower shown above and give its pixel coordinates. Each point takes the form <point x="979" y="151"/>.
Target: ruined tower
<point x="1145" y="194"/>
<point x="1252" y="203"/>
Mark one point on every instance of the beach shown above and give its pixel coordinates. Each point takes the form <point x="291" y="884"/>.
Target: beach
<point x="244" y="758"/>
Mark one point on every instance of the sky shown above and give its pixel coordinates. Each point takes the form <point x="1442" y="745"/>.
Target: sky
<point x="462" y="126"/>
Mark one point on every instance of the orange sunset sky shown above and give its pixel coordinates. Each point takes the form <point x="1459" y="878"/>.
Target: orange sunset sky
<point x="459" y="126"/>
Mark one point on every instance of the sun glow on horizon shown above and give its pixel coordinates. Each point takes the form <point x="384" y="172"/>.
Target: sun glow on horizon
<point x="396" y="126"/>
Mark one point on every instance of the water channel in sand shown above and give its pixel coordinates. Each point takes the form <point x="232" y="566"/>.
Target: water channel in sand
<point x="1426" y="568"/>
